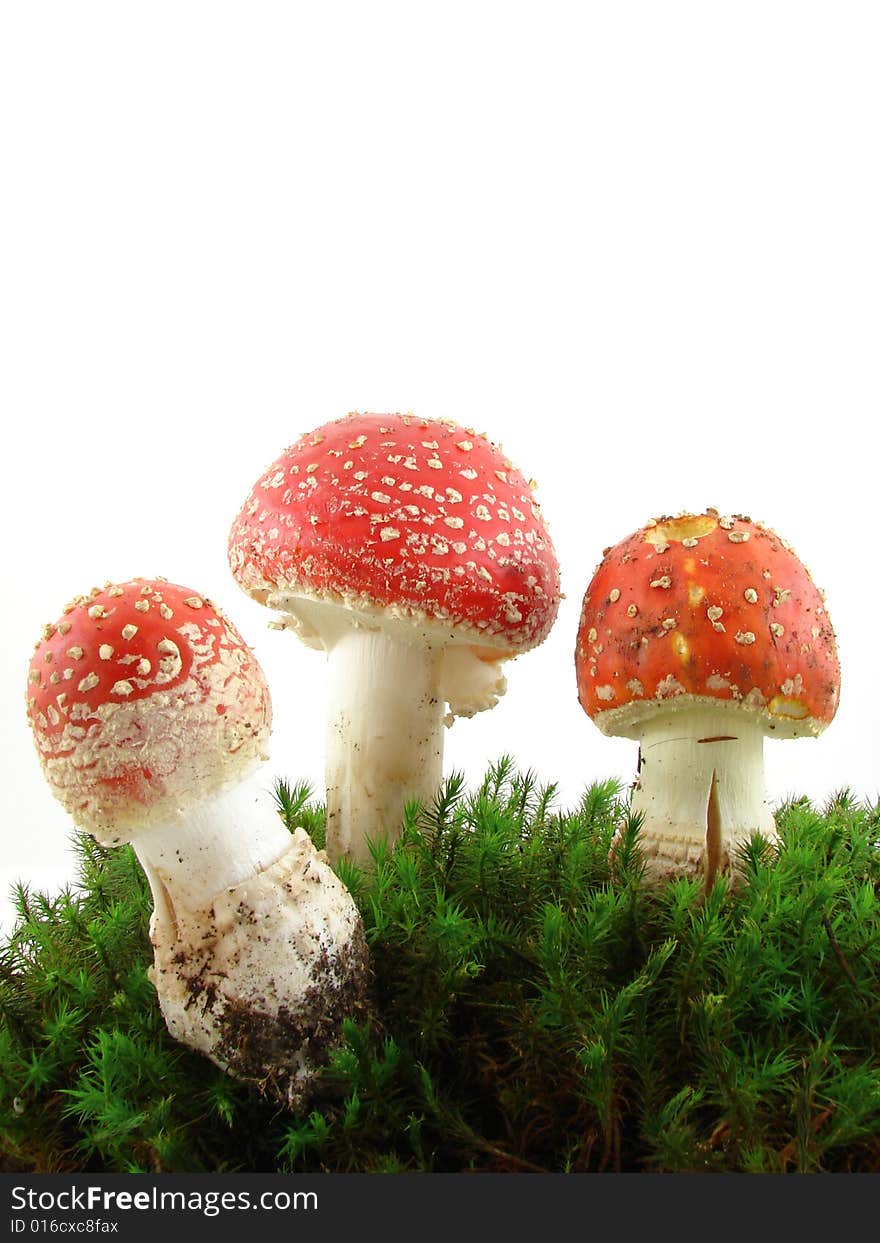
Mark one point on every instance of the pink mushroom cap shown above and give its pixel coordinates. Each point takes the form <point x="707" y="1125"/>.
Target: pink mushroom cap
<point x="143" y="698"/>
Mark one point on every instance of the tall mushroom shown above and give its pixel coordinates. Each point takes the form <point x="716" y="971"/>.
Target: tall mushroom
<point x="698" y="636"/>
<point x="151" y="717"/>
<point x="412" y="552"/>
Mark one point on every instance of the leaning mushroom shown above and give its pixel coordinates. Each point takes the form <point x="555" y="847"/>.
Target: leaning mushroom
<point x="699" y="636"/>
<point x="151" y="717"/>
<point x="412" y="552"/>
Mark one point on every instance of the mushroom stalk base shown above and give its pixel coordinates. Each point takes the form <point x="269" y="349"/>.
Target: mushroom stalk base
<point x="259" y="954"/>
<point x="384" y="738"/>
<point x="700" y="790"/>
<point x="262" y="979"/>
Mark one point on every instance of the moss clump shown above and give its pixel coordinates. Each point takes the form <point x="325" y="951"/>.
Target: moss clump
<point x="538" y="1009"/>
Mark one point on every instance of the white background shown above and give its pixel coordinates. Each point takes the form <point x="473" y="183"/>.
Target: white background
<point x="637" y="243"/>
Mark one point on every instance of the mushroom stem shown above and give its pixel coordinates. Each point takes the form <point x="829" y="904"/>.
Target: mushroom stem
<point x="700" y="789"/>
<point x="213" y="846"/>
<point x="384" y="737"/>
<point x="258" y="949"/>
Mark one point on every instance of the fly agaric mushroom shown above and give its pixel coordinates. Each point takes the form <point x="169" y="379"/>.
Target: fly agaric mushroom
<point x="150" y="716"/>
<point x="698" y="636"/>
<point x="412" y="551"/>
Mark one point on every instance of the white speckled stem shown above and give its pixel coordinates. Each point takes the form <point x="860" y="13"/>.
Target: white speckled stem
<point x="701" y="789"/>
<point x="213" y="846"/>
<point x="384" y="737"/>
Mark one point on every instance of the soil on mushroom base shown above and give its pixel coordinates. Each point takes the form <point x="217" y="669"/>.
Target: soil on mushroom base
<point x="281" y="1053"/>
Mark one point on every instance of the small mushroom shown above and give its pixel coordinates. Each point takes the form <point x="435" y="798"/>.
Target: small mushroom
<point x="151" y="717"/>
<point x="699" y="636"/>
<point x="413" y="553"/>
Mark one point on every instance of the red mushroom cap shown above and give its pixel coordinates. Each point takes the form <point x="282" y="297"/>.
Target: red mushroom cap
<point x="416" y="515"/>
<point x="712" y="608"/>
<point x="142" y="697"/>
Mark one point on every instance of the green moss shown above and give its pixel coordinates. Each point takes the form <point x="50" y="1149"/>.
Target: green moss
<point x="537" y="1008"/>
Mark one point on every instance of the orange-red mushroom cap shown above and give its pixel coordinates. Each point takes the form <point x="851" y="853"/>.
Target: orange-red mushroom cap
<point x="709" y="608"/>
<point x="143" y="698"/>
<point x="394" y="512"/>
